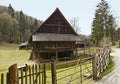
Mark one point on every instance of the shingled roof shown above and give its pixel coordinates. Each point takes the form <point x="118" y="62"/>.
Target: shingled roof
<point x="40" y="36"/>
<point x="54" y="37"/>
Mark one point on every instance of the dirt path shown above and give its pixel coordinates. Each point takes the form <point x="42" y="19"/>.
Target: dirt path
<point x="114" y="76"/>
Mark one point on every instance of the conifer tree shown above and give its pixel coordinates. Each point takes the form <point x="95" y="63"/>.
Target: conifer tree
<point x="103" y="23"/>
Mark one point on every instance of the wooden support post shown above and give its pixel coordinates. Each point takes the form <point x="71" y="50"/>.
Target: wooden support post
<point x="56" y="55"/>
<point x="53" y="73"/>
<point x="94" y="66"/>
<point x="81" y="71"/>
<point x="76" y="55"/>
<point x="13" y="74"/>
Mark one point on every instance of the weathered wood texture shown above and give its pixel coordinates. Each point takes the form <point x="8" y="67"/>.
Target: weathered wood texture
<point x="34" y="74"/>
<point x="55" y="34"/>
<point x="73" y="73"/>
<point x="13" y="74"/>
<point x="101" y="61"/>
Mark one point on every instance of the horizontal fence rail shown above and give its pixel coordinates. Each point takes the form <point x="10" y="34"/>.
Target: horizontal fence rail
<point x="76" y="73"/>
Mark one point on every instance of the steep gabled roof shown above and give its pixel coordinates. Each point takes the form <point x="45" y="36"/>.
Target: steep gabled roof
<point x="39" y="36"/>
<point x="58" y="12"/>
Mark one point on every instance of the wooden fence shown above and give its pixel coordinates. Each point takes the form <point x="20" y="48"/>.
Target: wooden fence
<point x="35" y="74"/>
<point x="4" y="78"/>
<point x="77" y="71"/>
<point x="101" y="61"/>
<point x="69" y="72"/>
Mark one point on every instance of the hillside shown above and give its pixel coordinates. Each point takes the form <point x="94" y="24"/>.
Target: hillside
<point x="15" y="26"/>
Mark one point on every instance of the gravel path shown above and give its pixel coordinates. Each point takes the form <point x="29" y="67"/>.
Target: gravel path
<point x="114" y="76"/>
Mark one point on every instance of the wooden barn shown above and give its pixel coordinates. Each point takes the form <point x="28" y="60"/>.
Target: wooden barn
<point x="55" y="39"/>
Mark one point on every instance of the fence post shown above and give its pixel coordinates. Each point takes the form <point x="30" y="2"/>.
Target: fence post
<point x="44" y="74"/>
<point x="7" y="78"/>
<point x="13" y="74"/>
<point x="81" y="71"/>
<point x="94" y="67"/>
<point x="53" y="73"/>
<point x="2" y="78"/>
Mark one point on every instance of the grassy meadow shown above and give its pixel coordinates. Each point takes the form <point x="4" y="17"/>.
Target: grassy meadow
<point x="10" y="54"/>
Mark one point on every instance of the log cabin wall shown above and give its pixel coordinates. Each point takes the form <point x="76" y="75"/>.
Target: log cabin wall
<point x="54" y="45"/>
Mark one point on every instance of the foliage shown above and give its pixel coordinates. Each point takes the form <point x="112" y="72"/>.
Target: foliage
<point x="15" y="26"/>
<point x="103" y="25"/>
<point x="117" y="44"/>
<point x="117" y="37"/>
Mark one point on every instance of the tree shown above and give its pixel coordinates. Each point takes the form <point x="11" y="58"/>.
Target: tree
<point x="74" y="23"/>
<point x="117" y="34"/>
<point x="11" y="10"/>
<point x="34" y="26"/>
<point x="22" y="26"/>
<point x="15" y="26"/>
<point x="111" y="28"/>
<point x="8" y="28"/>
<point x="103" y="23"/>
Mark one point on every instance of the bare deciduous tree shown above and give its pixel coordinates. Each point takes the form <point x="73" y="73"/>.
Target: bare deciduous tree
<point x="74" y="23"/>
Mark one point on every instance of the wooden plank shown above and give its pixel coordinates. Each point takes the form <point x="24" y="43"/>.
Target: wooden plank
<point x="2" y="78"/>
<point x="29" y="74"/>
<point x="53" y="73"/>
<point x="94" y="67"/>
<point x="36" y="81"/>
<point x="44" y="70"/>
<point x="8" y="78"/>
<point x="39" y="76"/>
<point x="18" y="75"/>
<point x="33" y="74"/>
<point x="26" y="67"/>
<point x="21" y="71"/>
<point x="13" y="74"/>
<point x="80" y="71"/>
<point x="43" y="74"/>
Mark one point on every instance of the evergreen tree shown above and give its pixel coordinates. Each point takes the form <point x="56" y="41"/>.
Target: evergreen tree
<point x="22" y="26"/>
<point x="103" y="23"/>
<point x="11" y="10"/>
<point x="34" y="26"/>
<point x="111" y="26"/>
<point x="117" y="34"/>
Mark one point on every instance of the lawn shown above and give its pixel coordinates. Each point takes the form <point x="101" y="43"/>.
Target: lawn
<point x="117" y="44"/>
<point x="10" y="54"/>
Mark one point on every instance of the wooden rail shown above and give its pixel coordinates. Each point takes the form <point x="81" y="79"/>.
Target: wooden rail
<point x="101" y="61"/>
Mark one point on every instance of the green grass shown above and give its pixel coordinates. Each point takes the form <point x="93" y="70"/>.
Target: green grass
<point x="117" y="44"/>
<point x="10" y="54"/>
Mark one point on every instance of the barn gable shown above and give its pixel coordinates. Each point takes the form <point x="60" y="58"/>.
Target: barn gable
<point x="57" y="24"/>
